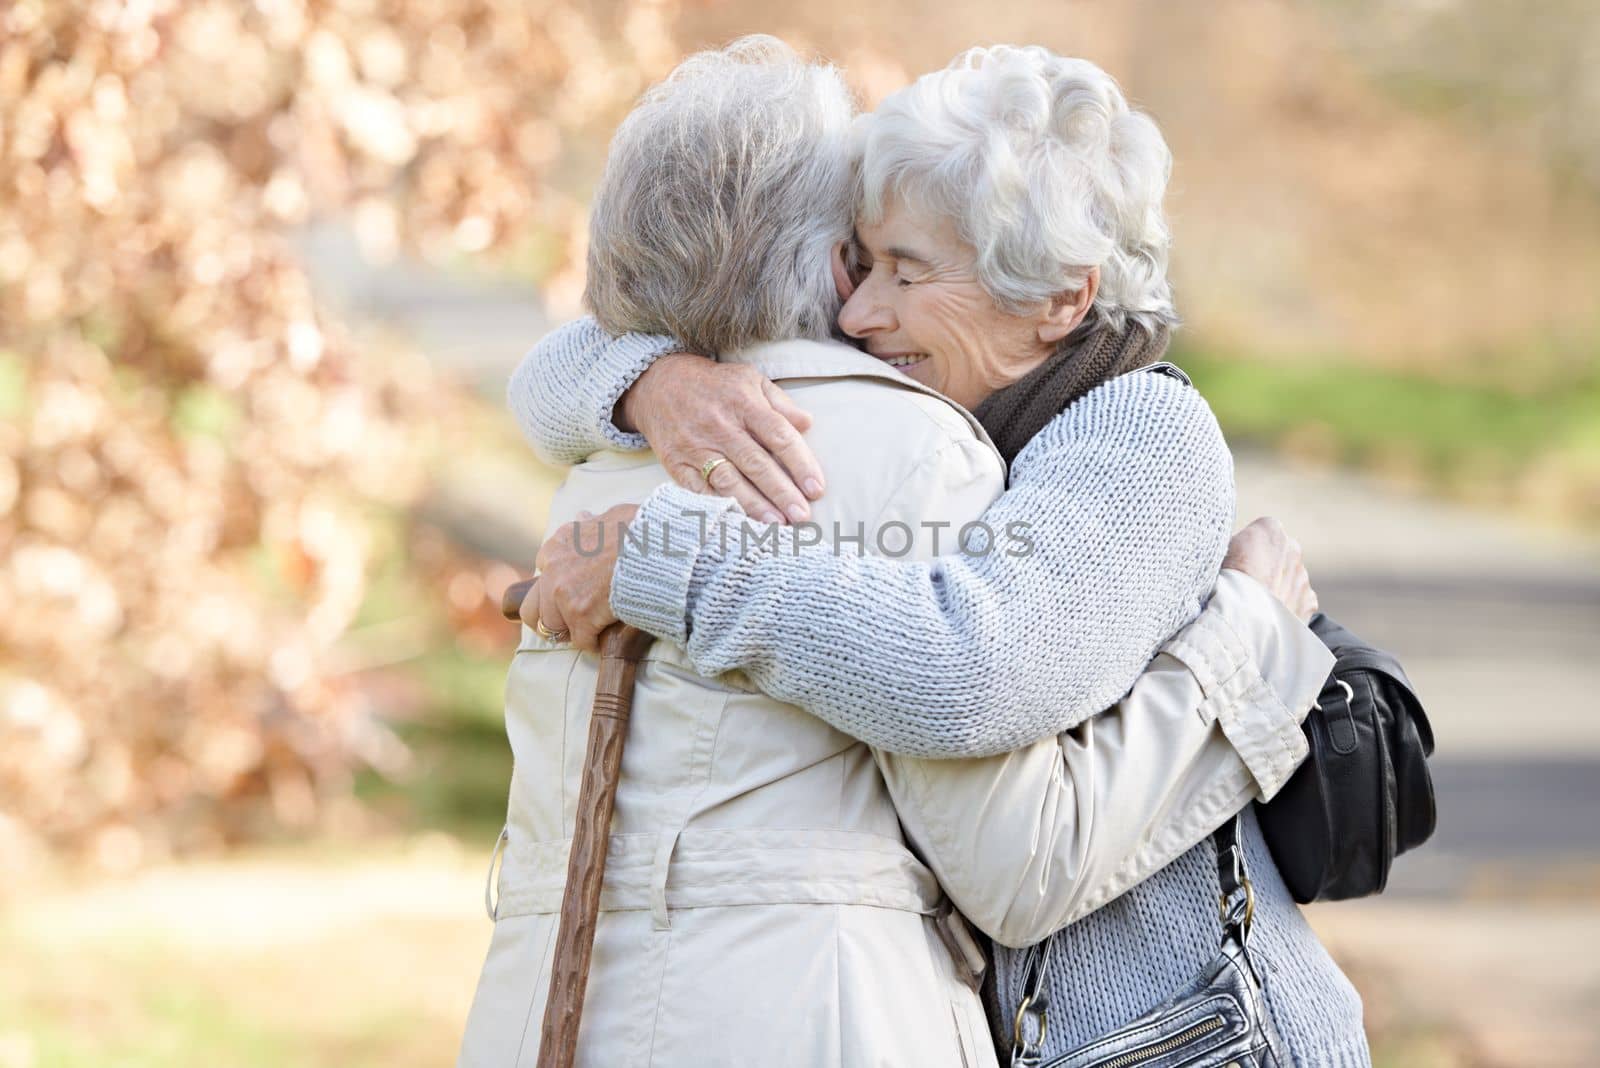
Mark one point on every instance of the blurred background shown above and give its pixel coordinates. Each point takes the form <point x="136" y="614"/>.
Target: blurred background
<point x="264" y="267"/>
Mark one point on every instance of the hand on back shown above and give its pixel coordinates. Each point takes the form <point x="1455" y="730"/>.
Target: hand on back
<point x="1265" y="551"/>
<point x="693" y="410"/>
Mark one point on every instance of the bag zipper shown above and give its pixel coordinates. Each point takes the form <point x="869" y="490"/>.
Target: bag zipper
<point x="1165" y="1046"/>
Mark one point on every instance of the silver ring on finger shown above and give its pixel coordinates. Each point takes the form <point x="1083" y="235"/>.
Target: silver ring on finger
<point x="710" y="466"/>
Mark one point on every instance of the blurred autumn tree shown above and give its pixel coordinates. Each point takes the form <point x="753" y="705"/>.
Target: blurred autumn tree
<point x="191" y="450"/>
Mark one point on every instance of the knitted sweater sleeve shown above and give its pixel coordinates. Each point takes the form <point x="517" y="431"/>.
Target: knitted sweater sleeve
<point x="1112" y="532"/>
<point x="565" y="389"/>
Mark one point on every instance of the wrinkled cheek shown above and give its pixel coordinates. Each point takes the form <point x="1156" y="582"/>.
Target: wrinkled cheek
<point x="958" y="380"/>
<point x="961" y="383"/>
<point x="964" y="372"/>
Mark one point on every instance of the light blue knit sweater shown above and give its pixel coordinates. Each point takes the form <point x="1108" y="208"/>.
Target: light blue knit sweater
<point x="1128" y="501"/>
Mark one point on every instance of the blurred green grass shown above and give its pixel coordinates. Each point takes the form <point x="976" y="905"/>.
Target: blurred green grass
<point x="1538" y="447"/>
<point x="462" y="762"/>
<point x="317" y="953"/>
<point x="169" y="1022"/>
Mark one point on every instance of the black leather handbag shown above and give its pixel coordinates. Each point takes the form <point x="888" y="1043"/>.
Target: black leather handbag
<point x="1364" y="795"/>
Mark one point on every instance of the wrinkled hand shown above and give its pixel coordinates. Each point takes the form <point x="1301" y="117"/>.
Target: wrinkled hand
<point x="1264" y="551"/>
<point x="572" y="591"/>
<point x="691" y="409"/>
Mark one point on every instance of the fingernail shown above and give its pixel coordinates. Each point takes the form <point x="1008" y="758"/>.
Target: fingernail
<point x="798" y="513"/>
<point x="813" y="488"/>
<point x="769" y="516"/>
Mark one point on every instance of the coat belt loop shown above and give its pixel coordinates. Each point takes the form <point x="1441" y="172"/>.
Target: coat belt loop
<point x="666" y="842"/>
<point x="491" y="900"/>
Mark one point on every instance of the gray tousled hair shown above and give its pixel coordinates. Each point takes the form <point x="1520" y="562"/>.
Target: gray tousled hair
<point x="1046" y="171"/>
<point x="723" y="195"/>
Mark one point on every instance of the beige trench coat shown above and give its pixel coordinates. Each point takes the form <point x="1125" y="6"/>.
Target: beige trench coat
<point x="765" y="901"/>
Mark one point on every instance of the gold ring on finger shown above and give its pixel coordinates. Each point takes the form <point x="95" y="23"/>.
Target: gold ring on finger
<point x="547" y="634"/>
<point x="710" y="466"/>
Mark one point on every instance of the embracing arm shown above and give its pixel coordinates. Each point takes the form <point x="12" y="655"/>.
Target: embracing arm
<point x="565" y="390"/>
<point x="1113" y="529"/>
<point x="1029" y="841"/>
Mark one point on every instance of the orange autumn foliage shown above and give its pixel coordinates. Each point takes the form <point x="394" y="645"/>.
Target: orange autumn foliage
<point x="191" y="447"/>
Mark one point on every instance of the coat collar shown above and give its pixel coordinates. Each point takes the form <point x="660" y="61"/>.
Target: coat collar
<point x="800" y="358"/>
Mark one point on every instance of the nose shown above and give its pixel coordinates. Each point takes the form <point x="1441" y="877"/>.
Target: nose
<point x="865" y="313"/>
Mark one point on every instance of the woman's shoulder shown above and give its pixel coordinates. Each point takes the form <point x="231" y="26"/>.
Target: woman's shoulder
<point x="1143" y="405"/>
<point x="1145" y="412"/>
<point x="897" y="432"/>
<point x="1150" y="397"/>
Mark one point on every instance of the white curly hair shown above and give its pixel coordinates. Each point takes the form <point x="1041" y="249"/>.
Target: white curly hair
<point x="1046" y="170"/>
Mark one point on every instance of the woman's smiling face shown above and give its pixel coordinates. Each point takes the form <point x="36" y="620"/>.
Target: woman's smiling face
<point x="920" y="307"/>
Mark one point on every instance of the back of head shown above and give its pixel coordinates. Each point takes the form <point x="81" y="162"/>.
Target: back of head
<point x="724" y="192"/>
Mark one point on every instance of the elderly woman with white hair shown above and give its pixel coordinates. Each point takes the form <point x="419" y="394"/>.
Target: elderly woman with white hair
<point x="1011" y="254"/>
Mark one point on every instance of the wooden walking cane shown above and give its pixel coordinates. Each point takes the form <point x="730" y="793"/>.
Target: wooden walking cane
<point x="621" y="646"/>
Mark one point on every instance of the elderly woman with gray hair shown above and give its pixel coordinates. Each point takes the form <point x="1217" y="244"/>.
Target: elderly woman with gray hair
<point x="1011" y="254"/>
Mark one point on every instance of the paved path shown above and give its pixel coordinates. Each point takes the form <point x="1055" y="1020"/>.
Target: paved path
<point x="1498" y="621"/>
<point x="1498" y="624"/>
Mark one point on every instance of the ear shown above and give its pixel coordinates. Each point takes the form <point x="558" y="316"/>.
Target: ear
<point x="1067" y="310"/>
<point x="841" y="273"/>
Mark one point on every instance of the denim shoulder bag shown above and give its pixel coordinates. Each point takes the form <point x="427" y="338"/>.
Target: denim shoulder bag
<point x="1219" y="1020"/>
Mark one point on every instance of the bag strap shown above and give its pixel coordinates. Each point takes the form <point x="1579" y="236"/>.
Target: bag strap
<point x="1238" y="907"/>
<point x="1171" y="370"/>
<point x="1027" y="1049"/>
<point x="1238" y="904"/>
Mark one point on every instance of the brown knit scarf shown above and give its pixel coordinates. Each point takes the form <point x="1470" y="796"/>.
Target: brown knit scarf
<point x="1013" y="415"/>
